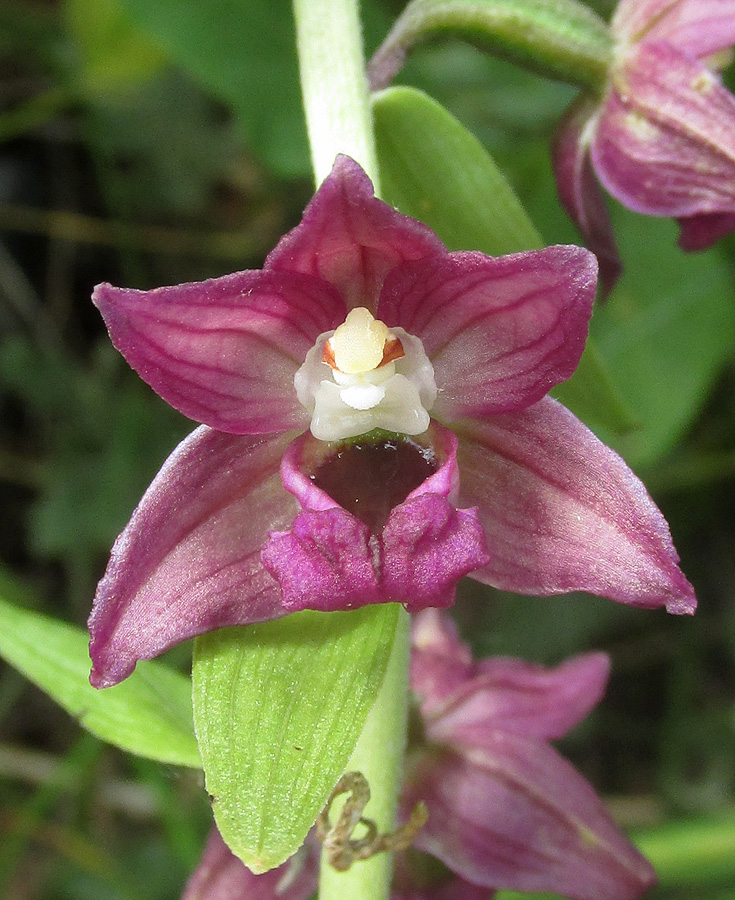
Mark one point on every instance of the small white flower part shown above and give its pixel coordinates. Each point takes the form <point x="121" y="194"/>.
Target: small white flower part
<point x="364" y="375"/>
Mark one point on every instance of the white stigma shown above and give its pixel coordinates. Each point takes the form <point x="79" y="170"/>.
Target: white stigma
<point x="364" y="375"/>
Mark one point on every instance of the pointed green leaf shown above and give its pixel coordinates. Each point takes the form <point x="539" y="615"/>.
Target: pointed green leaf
<point x="435" y="170"/>
<point x="667" y="332"/>
<point x="278" y="708"/>
<point x="432" y="168"/>
<point x="149" y="714"/>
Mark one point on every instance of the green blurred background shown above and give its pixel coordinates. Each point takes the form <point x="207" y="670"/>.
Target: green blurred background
<point x="148" y="142"/>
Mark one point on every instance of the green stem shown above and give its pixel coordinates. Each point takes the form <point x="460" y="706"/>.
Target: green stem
<point x="378" y="754"/>
<point x="334" y="85"/>
<point x="561" y="39"/>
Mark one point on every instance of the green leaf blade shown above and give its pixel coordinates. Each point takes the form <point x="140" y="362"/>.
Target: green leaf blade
<point x="432" y="168"/>
<point x="149" y="714"/>
<point x="278" y="708"/>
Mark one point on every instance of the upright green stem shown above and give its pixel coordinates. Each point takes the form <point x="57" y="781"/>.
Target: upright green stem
<point x="334" y="84"/>
<point x="339" y="120"/>
<point x="378" y="754"/>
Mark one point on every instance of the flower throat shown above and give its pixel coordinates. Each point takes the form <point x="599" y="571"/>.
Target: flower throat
<point x="370" y="478"/>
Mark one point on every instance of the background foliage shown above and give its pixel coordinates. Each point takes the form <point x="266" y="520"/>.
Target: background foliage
<point x="154" y="141"/>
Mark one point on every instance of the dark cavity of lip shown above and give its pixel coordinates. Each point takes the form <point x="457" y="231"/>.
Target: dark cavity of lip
<point x="370" y="478"/>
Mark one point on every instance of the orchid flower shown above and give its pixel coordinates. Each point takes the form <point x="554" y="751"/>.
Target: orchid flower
<point x="662" y="139"/>
<point x="505" y="810"/>
<point x="344" y="388"/>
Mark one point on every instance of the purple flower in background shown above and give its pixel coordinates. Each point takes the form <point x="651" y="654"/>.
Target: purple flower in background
<point x="344" y="388"/>
<point x="662" y="140"/>
<point x="505" y="810"/>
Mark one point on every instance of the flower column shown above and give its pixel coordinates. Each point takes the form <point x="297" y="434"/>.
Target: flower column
<point x="338" y="120"/>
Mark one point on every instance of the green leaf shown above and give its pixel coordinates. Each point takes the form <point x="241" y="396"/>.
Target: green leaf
<point x="666" y="333"/>
<point x="149" y="714"/>
<point x="278" y="708"/>
<point x="245" y="53"/>
<point x="432" y="168"/>
<point x="435" y="170"/>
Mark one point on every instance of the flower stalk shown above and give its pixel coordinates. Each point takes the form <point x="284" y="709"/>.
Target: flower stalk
<point x="378" y="755"/>
<point x="339" y="120"/>
<point x="561" y="39"/>
<point x="334" y="85"/>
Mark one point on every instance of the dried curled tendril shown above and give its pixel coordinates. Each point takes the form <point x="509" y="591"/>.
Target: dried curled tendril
<point x="341" y="848"/>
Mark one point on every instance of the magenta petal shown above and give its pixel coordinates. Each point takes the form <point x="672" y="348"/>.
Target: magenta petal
<point x="700" y="232"/>
<point x="579" y="191"/>
<point x="225" y="351"/>
<point x="351" y="239"/>
<point x="189" y="559"/>
<point x="507" y="694"/>
<point x="461" y="700"/>
<point x="499" y="332"/>
<point x="330" y="560"/>
<point x="515" y="815"/>
<point x="563" y="512"/>
<point x="441" y="663"/>
<point x="325" y="562"/>
<point x="222" y="876"/>
<point x="665" y="140"/>
<point x="698" y="27"/>
<point x="427" y="546"/>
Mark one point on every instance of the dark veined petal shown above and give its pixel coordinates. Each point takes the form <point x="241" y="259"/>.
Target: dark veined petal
<point x="515" y="815"/>
<point x="224" y="352"/>
<point x="698" y="27"/>
<point x="500" y="332"/>
<point x="579" y="190"/>
<point x="665" y="138"/>
<point x="563" y="512"/>
<point x="462" y="703"/>
<point x="351" y="239"/>
<point x="189" y="559"/>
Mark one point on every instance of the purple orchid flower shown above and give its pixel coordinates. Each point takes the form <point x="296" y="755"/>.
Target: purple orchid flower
<point x="505" y="810"/>
<point x="662" y="140"/>
<point x="285" y="499"/>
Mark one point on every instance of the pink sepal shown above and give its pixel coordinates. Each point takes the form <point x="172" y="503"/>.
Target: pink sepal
<point x="579" y="190"/>
<point x="350" y="239"/>
<point x="515" y="815"/>
<point x="461" y="702"/>
<point x="224" y="352"/>
<point x="700" y="232"/>
<point x="189" y="559"/>
<point x="698" y="27"/>
<point x="563" y="512"/>
<point x="665" y="138"/>
<point x="499" y="332"/>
